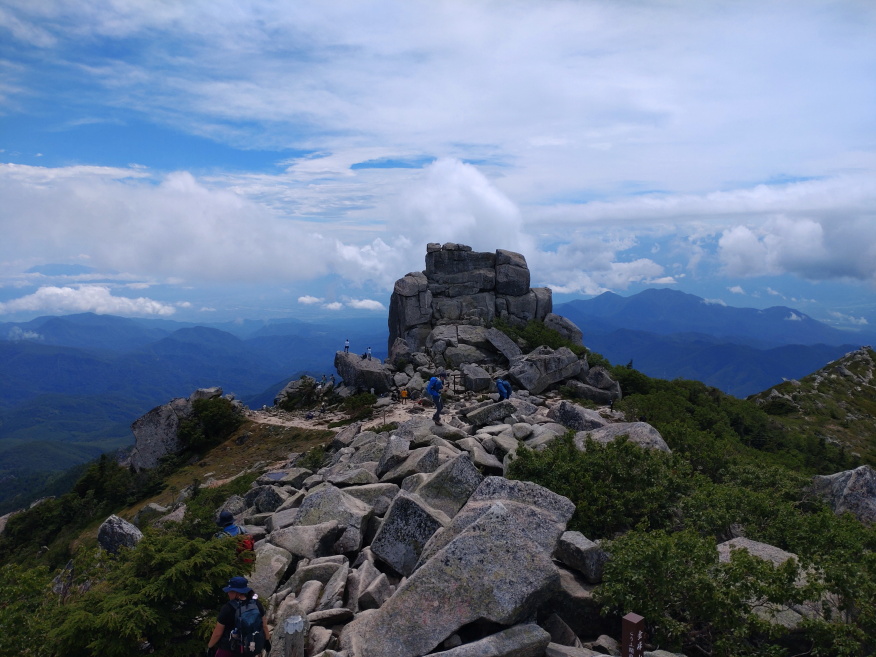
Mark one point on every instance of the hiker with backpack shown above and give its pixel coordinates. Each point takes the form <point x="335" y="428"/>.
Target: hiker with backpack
<point x="245" y="542"/>
<point x="241" y="628"/>
<point x="433" y="388"/>
<point x="226" y="522"/>
<point x="504" y="389"/>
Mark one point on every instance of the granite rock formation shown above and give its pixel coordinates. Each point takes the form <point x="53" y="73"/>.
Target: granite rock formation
<point x="461" y="287"/>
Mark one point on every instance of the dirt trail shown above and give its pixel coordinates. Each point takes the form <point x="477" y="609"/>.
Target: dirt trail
<point x="395" y="412"/>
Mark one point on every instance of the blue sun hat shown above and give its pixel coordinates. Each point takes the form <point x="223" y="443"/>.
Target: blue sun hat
<point x="238" y="585"/>
<point x="225" y="518"/>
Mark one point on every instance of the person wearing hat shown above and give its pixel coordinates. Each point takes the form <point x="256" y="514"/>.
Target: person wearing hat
<point x="436" y="383"/>
<point x="226" y="522"/>
<point x="238" y="593"/>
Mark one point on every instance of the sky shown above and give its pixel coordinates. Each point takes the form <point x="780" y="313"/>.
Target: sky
<point x="210" y="160"/>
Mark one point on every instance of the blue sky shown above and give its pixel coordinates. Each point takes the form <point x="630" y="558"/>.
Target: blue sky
<point x="207" y="160"/>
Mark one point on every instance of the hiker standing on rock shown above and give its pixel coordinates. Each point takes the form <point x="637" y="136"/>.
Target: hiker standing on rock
<point x="241" y="627"/>
<point x="347" y="346"/>
<point x="436" y="383"/>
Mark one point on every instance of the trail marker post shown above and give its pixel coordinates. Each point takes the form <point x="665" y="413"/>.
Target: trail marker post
<point x="632" y="636"/>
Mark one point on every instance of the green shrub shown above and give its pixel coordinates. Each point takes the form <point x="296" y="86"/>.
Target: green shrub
<point x="157" y="592"/>
<point x="693" y="603"/>
<point x="535" y="334"/>
<point x="212" y="422"/>
<point x="614" y="487"/>
<point x="313" y="459"/>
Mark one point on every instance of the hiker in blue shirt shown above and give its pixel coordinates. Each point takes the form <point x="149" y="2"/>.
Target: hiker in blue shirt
<point x="433" y="388"/>
<point x="226" y="522"/>
<point x="504" y="389"/>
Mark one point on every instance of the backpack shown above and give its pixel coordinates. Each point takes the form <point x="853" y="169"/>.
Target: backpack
<point x="245" y="542"/>
<point x="247" y="637"/>
<point x="432" y="386"/>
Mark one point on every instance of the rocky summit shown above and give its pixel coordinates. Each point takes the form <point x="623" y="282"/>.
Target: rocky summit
<point x="411" y="542"/>
<point x="407" y="539"/>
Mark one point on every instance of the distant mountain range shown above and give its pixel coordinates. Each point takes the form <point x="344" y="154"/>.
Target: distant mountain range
<point x="669" y="334"/>
<point x="71" y="386"/>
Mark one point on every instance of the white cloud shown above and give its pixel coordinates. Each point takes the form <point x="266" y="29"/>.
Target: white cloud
<point x="86" y="298"/>
<point x="715" y="302"/>
<point x="571" y="110"/>
<point x="17" y="334"/>
<point x="794" y="317"/>
<point x="736" y="289"/>
<point x="849" y="319"/>
<point x="334" y="305"/>
<point x="365" y="304"/>
<point x="308" y="300"/>
<point x="774" y="293"/>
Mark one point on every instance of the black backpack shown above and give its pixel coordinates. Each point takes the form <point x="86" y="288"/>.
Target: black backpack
<point x="247" y="637"/>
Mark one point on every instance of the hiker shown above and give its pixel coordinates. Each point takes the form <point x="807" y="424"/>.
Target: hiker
<point x="504" y="389"/>
<point x="434" y="389"/>
<point x="347" y="346"/>
<point x="245" y="542"/>
<point x="241" y="627"/>
<point x="369" y="353"/>
<point x="226" y="522"/>
<point x="404" y="395"/>
<point x="332" y="380"/>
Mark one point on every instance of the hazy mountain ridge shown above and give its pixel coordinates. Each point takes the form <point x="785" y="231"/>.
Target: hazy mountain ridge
<point x="74" y="384"/>
<point x="665" y="311"/>
<point x="669" y="334"/>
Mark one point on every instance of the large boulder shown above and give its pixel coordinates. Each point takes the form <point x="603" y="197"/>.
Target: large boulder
<point x="527" y="640"/>
<point x="116" y="533"/>
<point x="493" y="571"/>
<point x="512" y="274"/>
<point x="490" y="413"/>
<point x="270" y="567"/>
<point x="639" y="433"/>
<point x="476" y="378"/>
<point x="540" y="513"/>
<point x="852" y="491"/>
<point x="503" y="344"/>
<point x="329" y="503"/>
<point x="544" y="367"/>
<point x="565" y="327"/>
<point x="363" y="373"/>
<point x="408" y="526"/>
<point x="576" y="417"/>
<point x="308" y="541"/>
<point x="155" y="434"/>
<point x="585" y="556"/>
<point x="450" y="486"/>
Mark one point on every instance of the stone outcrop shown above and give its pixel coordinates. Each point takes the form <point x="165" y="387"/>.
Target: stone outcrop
<point x="543" y="367"/>
<point x="116" y="533"/>
<point x="464" y="288"/>
<point x="640" y="433"/>
<point x="363" y="373"/>
<point x="852" y="491"/>
<point x="155" y="433"/>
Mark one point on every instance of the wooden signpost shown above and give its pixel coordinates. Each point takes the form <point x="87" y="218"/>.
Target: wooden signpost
<point x="632" y="636"/>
